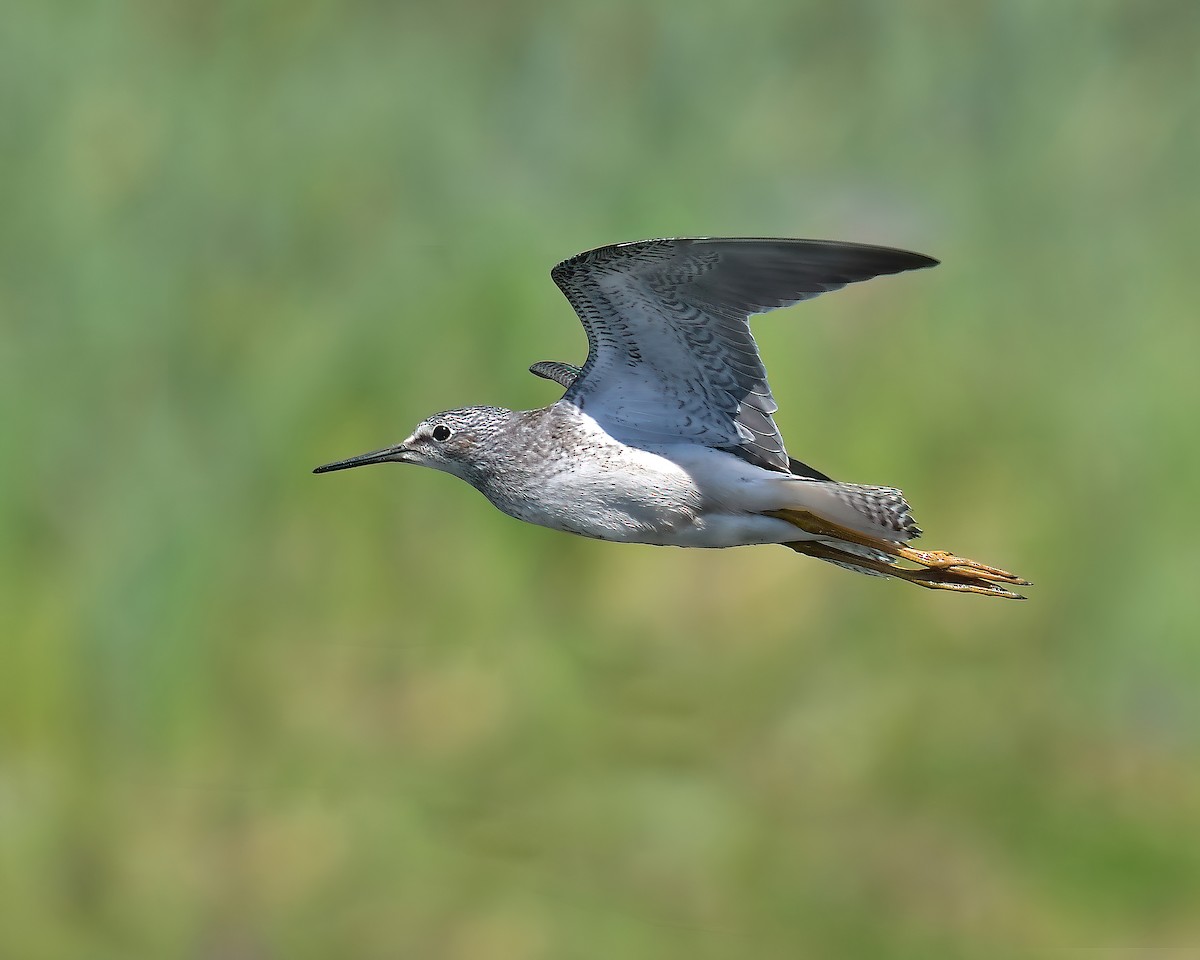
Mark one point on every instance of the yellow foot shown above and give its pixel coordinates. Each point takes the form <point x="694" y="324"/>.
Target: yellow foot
<point x="931" y="579"/>
<point x="961" y="566"/>
<point x="940" y="570"/>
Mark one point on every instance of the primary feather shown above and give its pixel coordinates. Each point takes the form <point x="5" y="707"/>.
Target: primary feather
<point x="670" y="353"/>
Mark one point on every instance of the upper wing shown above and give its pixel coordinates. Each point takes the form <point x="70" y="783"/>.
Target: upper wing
<point x="670" y="354"/>
<point x="561" y="373"/>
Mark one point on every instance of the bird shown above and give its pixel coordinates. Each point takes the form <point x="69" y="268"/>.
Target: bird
<point x="666" y="434"/>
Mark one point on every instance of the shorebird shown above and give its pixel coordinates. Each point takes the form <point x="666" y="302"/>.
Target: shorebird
<point x="665" y="435"/>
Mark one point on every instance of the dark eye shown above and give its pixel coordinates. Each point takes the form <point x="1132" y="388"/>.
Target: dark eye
<point x="441" y="433"/>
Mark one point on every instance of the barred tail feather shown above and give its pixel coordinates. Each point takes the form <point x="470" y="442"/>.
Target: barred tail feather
<point x="874" y="511"/>
<point x="836" y="537"/>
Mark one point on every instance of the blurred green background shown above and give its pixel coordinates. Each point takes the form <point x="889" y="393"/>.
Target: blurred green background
<point x="246" y="712"/>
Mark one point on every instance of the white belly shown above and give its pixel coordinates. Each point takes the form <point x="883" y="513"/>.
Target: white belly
<point x="679" y="494"/>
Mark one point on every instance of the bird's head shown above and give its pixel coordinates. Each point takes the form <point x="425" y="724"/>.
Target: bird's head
<point x="454" y="441"/>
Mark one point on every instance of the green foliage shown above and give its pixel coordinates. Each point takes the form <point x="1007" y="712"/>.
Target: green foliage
<point x="245" y="711"/>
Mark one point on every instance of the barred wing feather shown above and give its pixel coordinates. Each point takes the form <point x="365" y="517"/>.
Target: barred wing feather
<point x="670" y="353"/>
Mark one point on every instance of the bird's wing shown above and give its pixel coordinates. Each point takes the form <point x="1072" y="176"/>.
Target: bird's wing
<point x="564" y="374"/>
<point x="561" y="373"/>
<point x="670" y="354"/>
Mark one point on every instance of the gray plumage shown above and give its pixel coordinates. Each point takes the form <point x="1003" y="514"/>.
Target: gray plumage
<point x="670" y="353"/>
<point x="666" y="434"/>
<point x="563" y="374"/>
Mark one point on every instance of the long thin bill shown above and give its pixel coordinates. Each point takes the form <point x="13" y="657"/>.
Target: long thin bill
<point x="388" y="454"/>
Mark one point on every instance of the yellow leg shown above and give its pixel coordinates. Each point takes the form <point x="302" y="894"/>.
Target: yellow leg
<point x="958" y="569"/>
<point x="932" y="579"/>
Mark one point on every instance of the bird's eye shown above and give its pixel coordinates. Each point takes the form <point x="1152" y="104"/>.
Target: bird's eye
<point x="441" y="433"/>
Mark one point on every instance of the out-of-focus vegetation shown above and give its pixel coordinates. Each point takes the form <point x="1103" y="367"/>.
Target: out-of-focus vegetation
<point x="248" y="712"/>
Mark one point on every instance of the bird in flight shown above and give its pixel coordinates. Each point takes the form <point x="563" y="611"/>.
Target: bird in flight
<point x="665" y="435"/>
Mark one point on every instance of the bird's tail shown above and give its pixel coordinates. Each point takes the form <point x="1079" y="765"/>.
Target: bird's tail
<point x="874" y="511"/>
<point x="866" y="529"/>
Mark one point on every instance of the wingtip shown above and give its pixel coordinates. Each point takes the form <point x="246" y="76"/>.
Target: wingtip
<point x="905" y="260"/>
<point x="899" y="258"/>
